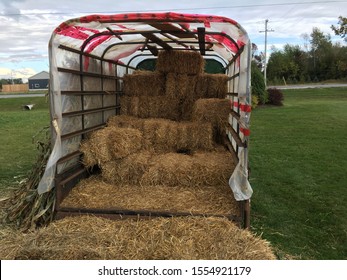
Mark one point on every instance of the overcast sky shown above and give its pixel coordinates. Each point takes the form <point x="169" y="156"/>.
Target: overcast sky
<point x="26" y="25"/>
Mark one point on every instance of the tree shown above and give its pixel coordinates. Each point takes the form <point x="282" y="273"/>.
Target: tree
<point x="322" y="56"/>
<point x="341" y="29"/>
<point x="257" y="58"/>
<point x="320" y="59"/>
<point x="288" y="64"/>
<point x="258" y="84"/>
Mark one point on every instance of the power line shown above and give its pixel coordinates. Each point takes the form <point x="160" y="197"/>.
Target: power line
<point x="179" y="9"/>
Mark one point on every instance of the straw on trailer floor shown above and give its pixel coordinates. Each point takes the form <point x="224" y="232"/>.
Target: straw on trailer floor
<point x="87" y="237"/>
<point x="96" y="193"/>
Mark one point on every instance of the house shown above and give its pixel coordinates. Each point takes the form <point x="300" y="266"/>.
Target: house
<point x="39" y="81"/>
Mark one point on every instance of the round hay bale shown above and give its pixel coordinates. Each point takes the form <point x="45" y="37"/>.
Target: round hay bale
<point x="179" y="238"/>
<point x="180" y="62"/>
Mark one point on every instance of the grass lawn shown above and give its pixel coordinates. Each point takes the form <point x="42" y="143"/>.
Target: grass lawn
<point x="18" y="127"/>
<point x="298" y="158"/>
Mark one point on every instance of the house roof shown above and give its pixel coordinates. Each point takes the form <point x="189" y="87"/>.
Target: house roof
<point x="40" y="76"/>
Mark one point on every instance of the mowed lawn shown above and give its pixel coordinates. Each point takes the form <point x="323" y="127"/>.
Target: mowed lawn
<point x="19" y="132"/>
<point x="298" y="160"/>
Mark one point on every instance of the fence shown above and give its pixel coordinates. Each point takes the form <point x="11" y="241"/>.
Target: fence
<point x="15" y="88"/>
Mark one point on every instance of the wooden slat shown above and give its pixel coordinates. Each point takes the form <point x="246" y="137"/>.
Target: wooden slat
<point x="69" y="156"/>
<point x="236" y="137"/>
<point x="173" y="30"/>
<point x="235" y="57"/>
<point x="89" y="74"/>
<point x="92" y="92"/>
<point x="153" y="50"/>
<point x="66" y="181"/>
<point x="234" y="76"/>
<point x="90" y="111"/>
<point x="227" y="143"/>
<point x="233" y="93"/>
<point x="156" y="40"/>
<point x="151" y="213"/>
<point x="247" y="214"/>
<point x="235" y="115"/>
<point x="82" y="131"/>
<point x="175" y="40"/>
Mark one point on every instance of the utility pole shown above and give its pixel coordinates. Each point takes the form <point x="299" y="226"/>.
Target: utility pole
<point x="266" y="31"/>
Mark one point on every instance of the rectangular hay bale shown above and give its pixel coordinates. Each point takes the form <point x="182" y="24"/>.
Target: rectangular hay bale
<point x="151" y="107"/>
<point x="199" y="169"/>
<point x="180" y="62"/>
<point x="212" y="86"/>
<point x="144" y="83"/>
<point x="180" y="85"/>
<point x="167" y="135"/>
<point x="215" y="111"/>
<point x="110" y="143"/>
<point x="127" y="170"/>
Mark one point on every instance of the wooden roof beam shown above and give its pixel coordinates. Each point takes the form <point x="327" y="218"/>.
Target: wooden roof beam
<point x="201" y="37"/>
<point x="153" y="50"/>
<point x="156" y="40"/>
<point x="173" y="30"/>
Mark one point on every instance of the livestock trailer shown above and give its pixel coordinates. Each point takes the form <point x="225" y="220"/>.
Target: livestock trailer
<point x="93" y="64"/>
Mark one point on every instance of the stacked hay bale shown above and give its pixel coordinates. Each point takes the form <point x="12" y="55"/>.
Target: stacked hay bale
<point x="172" y="89"/>
<point x="167" y="137"/>
<point x="165" y="142"/>
<point x="214" y="111"/>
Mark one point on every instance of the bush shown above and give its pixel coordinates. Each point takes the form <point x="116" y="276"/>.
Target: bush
<point x="255" y="101"/>
<point x="258" y="84"/>
<point x="275" y="97"/>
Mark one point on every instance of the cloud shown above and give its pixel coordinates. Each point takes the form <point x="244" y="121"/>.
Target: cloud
<point x="26" y="25"/>
<point x="23" y="73"/>
<point x="10" y="7"/>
